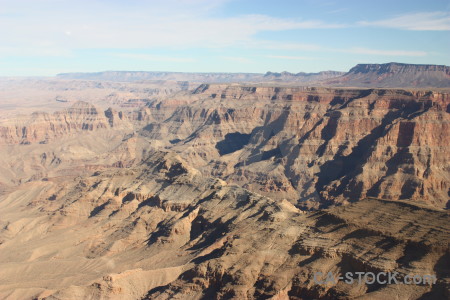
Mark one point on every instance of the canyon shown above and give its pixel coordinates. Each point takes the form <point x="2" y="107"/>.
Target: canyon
<point x="159" y="185"/>
<point x="162" y="230"/>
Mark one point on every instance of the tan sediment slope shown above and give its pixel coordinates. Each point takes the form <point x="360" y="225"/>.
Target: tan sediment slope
<point x="77" y="155"/>
<point x="162" y="230"/>
<point x="28" y="95"/>
<point x="75" y="141"/>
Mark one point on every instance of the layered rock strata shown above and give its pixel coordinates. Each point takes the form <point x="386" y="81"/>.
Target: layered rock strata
<point x="316" y="146"/>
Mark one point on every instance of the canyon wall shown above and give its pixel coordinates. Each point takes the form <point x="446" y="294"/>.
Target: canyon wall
<point x="313" y="146"/>
<point x="41" y="127"/>
<point x="316" y="146"/>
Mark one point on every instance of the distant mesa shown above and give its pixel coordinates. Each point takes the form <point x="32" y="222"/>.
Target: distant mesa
<point x="394" y="75"/>
<point x="59" y="99"/>
<point x="302" y="76"/>
<point x="130" y="76"/>
<point x="389" y="75"/>
<point x="398" y="68"/>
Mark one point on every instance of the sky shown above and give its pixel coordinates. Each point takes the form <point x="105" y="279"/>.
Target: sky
<point x="47" y="37"/>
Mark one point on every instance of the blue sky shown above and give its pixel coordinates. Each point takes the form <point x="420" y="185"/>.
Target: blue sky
<point x="46" y="37"/>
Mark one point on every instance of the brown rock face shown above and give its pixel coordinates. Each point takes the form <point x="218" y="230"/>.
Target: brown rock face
<point x="278" y="258"/>
<point x="42" y="127"/>
<point x="312" y="146"/>
<point x="317" y="146"/>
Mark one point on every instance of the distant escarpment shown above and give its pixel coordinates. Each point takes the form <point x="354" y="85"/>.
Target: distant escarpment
<point x="302" y="76"/>
<point x="394" y="75"/>
<point x="316" y="146"/>
<point x="129" y="76"/>
<point x="388" y="75"/>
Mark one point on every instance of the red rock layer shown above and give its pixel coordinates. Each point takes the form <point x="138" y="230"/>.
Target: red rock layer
<point x="317" y="146"/>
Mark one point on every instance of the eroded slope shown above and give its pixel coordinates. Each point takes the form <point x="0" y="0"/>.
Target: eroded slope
<point x="162" y="230"/>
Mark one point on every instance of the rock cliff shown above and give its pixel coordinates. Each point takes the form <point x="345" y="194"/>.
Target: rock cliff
<point x="313" y="146"/>
<point x="41" y="127"/>
<point x="316" y="146"/>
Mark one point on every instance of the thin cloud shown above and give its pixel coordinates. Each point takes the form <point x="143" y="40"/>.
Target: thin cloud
<point x="336" y="11"/>
<point x="263" y="22"/>
<point x="42" y="51"/>
<point x="385" y="52"/>
<point x="354" y="50"/>
<point x="288" y="57"/>
<point x="97" y="25"/>
<point x="150" y="57"/>
<point x="275" y="45"/>
<point x="437" y="21"/>
<point x="238" y="59"/>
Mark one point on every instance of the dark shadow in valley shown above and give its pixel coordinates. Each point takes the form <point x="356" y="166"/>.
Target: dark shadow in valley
<point x="345" y="168"/>
<point x="329" y="131"/>
<point x="233" y="142"/>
